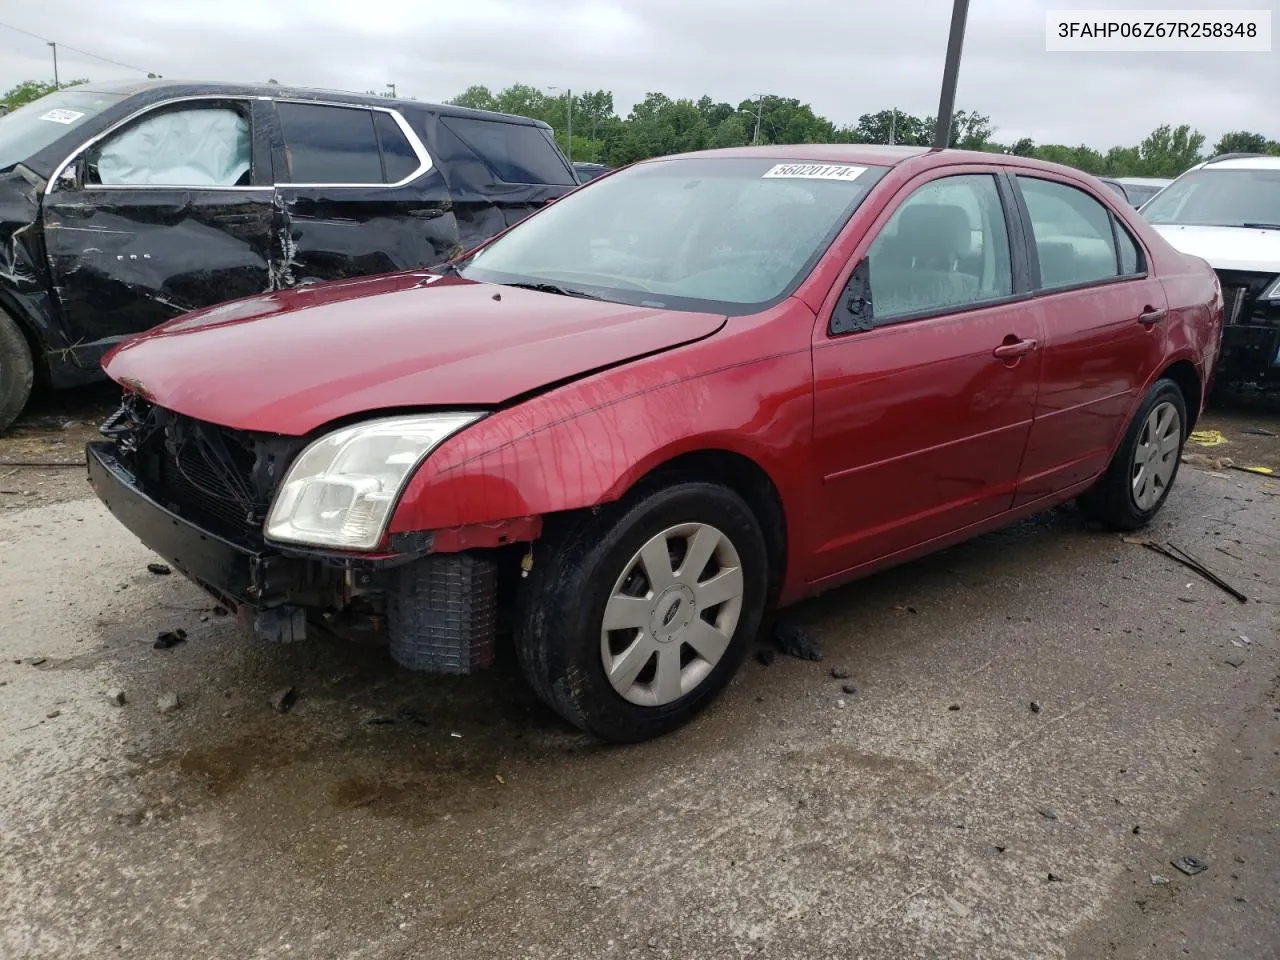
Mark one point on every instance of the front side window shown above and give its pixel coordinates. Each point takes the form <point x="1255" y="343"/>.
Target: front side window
<point x="1219" y="197"/>
<point x="945" y="248"/>
<point x="36" y="125"/>
<point x="205" y="146"/>
<point x="325" y="144"/>
<point x="729" y="235"/>
<point x="1072" y="233"/>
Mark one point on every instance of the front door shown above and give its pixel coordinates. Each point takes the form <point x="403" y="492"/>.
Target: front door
<point x="924" y="396"/>
<point x="168" y="212"/>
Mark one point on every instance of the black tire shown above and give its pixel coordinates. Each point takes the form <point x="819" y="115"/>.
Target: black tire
<point x="1111" y="500"/>
<point x="17" y="371"/>
<point x="574" y="572"/>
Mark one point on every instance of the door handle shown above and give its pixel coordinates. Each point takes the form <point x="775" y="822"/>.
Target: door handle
<point x="1011" y="351"/>
<point x="1150" y="317"/>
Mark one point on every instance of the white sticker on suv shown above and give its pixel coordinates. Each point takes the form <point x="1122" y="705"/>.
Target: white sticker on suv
<point x="814" y="171"/>
<point x="61" y="116"/>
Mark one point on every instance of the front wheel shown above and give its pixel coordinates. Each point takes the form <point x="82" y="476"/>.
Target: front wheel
<point x="636" y="617"/>
<point x="1142" y="472"/>
<point x="17" y="371"/>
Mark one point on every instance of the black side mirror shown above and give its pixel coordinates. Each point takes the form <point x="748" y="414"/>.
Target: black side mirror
<point x="854" y="311"/>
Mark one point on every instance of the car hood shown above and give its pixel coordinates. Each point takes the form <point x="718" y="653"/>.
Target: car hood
<point x="288" y="362"/>
<point x="1226" y="248"/>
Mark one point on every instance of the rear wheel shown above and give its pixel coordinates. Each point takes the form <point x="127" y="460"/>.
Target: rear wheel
<point x="1142" y="473"/>
<point x="635" y="618"/>
<point x="17" y="371"/>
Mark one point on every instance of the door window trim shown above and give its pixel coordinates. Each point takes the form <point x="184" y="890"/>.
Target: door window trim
<point x="424" y="158"/>
<point x="1038" y="290"/>
<point x="1020" y="275"/>
<point x="74" y="157"/>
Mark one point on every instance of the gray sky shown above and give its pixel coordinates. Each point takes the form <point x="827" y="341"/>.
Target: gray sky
<point x="846" y="58"/>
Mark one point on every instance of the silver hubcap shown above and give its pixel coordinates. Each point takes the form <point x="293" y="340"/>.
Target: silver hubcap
<point x="1156" y="456"/>
<point x="671" y="614"/>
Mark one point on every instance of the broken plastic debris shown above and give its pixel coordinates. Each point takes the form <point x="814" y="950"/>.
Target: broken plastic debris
<point x="159" y="569"/>
<point x="1207" y="438"/>
<point x="1156" y="879"/>
<point x="456" y="735"/>
<point x="1190" y="865"/>
<point x="169" y="638"/>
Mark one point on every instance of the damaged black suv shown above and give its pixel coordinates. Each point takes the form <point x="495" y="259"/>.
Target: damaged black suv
<point x="123" y="205"/>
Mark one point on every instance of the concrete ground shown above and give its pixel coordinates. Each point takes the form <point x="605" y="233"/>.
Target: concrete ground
<point x="933" y="813"/>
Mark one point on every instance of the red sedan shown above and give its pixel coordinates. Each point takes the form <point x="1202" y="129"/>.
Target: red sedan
<point x="696" y="390"/>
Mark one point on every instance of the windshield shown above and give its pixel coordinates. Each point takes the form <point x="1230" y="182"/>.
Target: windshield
<point x="730" y="235"/>
<point x="31" y="128"/>
<point x="1221" y="198"/>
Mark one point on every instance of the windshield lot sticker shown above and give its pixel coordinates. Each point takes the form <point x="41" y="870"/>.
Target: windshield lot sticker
<point x="814" y="171"/>
<point x="62" y="116"/>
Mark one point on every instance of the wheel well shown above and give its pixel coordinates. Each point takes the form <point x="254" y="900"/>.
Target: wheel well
<point x="33" y="341"/>
<point x="748" y="480"/>
<point x="1183" y="373"/>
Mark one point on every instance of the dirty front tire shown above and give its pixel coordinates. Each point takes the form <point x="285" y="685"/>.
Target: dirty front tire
<point x="1144" y="468"/>
<point x="659" y="565"/>
<point x="17" y="371"/>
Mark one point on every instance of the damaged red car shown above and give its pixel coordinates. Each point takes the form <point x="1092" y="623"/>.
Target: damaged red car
<point x="637" y="422"/>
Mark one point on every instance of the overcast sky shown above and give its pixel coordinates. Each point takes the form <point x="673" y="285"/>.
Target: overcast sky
<point x="845" y="57"/>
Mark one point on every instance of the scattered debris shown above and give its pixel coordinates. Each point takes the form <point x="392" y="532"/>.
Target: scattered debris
<point x="1157" y="879"/>
<point x="456" y="735"/>
<point x="954" y="706"/>
<point x="1035" y="707"/>
<point x="1207" y="438"/>
<point x="1048" y="813"/>
<point x="796" y="641"/>
<point x="159" y="569"/>
<point x="1234" y="661"/>
<point x="379" y="720"/>
<point x="168" y="703"/>
<point x="1178" y="555"/>
<point x="52" y="714"/>
<point x="840" y="673"/>
<point x="1137" y="828"/>
<point x="848" y="688"/>
<point x="219" y="611"/>
<point x="169" y="638"/>
<point x="766" y="654"/>
<point x="1190" y="865"/>
<point x="1000" y="849"/>
<point x="1054" y="878"/>
<point x="839" y="704"/>
<point x="906" y="609"/>
<point x="282" y="700"/>
<point x="39" y="661"/>
<point x="117" y="697"/>
<point x="1258" y="432"/>
<point x="1208" y="462"/>
<point x="498" y="777"/>
<point x="1261" y="471"/>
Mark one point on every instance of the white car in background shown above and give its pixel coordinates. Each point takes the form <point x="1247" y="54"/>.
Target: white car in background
<point x="1141" y="189"/>
<point x="1227" y="211"/>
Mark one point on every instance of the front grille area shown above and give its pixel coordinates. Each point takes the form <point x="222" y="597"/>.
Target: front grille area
<point x="1241" y="293"/>
<point x="1232" y="301"/>
<point x="219" y="478"/>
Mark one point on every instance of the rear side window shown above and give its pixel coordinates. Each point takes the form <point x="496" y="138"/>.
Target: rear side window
<point x="1130" y="256"/>
<point x="326" y="144"/>
<point x="1074" y="241"/>
<point x="397" y="155"/>
<point x="515" y="152"/>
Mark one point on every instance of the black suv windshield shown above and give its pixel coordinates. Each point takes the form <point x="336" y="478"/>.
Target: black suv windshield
<point x="29" y="129"/>
<point x="1229" y="197"/>
<point x="726" y="234"/>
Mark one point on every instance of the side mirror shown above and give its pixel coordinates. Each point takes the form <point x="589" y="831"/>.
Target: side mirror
<point x="854" y="312"/>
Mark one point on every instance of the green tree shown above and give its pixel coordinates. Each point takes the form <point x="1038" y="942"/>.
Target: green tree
<point x="1168" y="151"/>
<point x="1242" y="141"/>
<point x="1026" y="147"/>
<point x="29" y="90"/>
<point x="475" y="97"/>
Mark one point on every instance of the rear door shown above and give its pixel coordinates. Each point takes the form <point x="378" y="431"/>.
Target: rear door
<point x="358" y="193"/>
<point x="1103" y="316"/>
<point x="168" y="211"/>
<point x="925" y="376"/>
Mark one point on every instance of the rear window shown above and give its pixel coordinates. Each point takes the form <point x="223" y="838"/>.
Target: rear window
<point x="515" y="152"/>
<point x="398" y="157"/>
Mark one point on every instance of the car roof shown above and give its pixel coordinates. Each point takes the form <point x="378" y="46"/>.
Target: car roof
<point x="1242" y="161"/>
<point x="158" y="89"/>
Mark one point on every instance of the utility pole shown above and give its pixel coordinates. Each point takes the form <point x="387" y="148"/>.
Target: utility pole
<point x="950" y="74"/>
<point x="893" y="119"/>
<point x="54" y="46"/>
<point x="759" y="112"/>
<point x="568" y="96"/>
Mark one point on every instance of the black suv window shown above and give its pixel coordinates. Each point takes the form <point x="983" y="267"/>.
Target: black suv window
<point x="191" y="146"/>
<point x="398" y="158"/>
<point x="326" y="144"/>
<point x="515" y="152"/>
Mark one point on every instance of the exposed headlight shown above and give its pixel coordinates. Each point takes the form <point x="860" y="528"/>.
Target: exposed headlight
<point x="1272" y="292"/>
<point x="341" y="489"/>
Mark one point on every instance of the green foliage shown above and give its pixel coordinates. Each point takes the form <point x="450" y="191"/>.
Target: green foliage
<point x="29" y="90"/>
<point x="1242" y="141"/>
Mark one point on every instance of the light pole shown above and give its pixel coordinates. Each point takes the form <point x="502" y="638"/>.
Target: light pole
<point x="950" y="73"/>
<point x="392" y="88"/>
<point x="54" y="46"/>
<point x="568" y="106"/>
<point x="755" y="137"/>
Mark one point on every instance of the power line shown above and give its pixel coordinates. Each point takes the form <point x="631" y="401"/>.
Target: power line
<point x="66" y="46"/>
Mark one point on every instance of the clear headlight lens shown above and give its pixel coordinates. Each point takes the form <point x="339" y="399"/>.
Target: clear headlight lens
<point x="341" y="489"/>
<point x="1272" y="292"/>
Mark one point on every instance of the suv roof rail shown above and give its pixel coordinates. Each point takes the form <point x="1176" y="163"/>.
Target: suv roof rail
<point x="1233" y="156"/>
